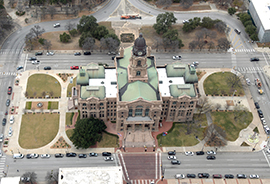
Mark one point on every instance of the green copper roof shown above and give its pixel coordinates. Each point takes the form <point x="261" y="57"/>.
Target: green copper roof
<point x="82" y="77"/>
<point x="176" y="69"/>
<point x="124" y="62"/>
<point x="182" y="89"/>
<point x="153" y="76"/>
<point x="92" y="70"/>
<point x="92" y="91"/>
<point x="122" y="77"/>
<point x="139" y="89"/>
<point x="191" y="76"/>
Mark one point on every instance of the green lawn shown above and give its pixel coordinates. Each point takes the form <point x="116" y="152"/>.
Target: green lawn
<point x="69" y="116"/>
<point x="69" y="133"/>
<point x="52" y="105"/>
<point x="38" y="130"/>
<point x="108" y="141"/>
<point x="28" y="105"/>
<point x="178" y="136"/>
<point x="227" y="121"/>
<point x="216" y="84"/>
<point x="70" y="87"/>
<point x="39" y="83"/>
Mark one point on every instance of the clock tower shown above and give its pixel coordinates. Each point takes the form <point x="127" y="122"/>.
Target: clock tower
<point x="137" y="68"/>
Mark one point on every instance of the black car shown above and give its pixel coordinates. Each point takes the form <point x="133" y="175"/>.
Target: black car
<point x="113" y="57"/>
<point x="93" y="154"/>
<point x="191" y="176"/>
<point x="241" y="176"/>
<point x="175" y="162"/>
<point x="77" y="54"/>
<point x="82" y="155"/>
<point x="59" y="155"/>
<point x="171" y="153"/>
<point x="203" y="175"/>
<point x="87" y="53"/>
<point x="47" y="68"/>
<point x="4" y="121"/>
<point x="260" y="113"/>
<point x="257" y="105"/>
<point x="106" y="154"/>
<point x="32" y="58"/>
<point x="254" y="59"/>
<point x="211" y="157"/>
<point x="19" y="67"/>
<point x="38" y="53"/>
<point x="33" y="155"/>
<point x="229" y="176"/>
<point x="8" y="102"/>
<point x="199" y="153"/>
<point x="71" y="155"/>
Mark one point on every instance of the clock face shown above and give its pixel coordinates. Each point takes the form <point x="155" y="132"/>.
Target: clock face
<point x="139" y="53"/>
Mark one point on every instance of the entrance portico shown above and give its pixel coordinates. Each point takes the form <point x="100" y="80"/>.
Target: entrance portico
<point x="138" y="123"/>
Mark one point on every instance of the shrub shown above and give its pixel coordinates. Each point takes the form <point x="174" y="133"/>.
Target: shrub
<point x="64" y="37"/>
<point x="41" y="41"/>
<point x="49" y="105"/>
<point x="73" y="32"/>
<point x="20" y="13"/>
<point x="26" y="20"/>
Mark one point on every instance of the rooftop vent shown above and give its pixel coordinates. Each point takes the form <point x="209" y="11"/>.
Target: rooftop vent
<point x="92" y="88"/>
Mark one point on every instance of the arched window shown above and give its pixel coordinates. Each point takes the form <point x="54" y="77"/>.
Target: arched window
<point x="146" y="112"/>
<point x="138" y="73"/>
<point x="139" y="63"/>
<point x="138" y="111"/>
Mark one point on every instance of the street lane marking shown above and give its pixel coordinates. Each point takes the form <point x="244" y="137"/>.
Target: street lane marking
<point x="124" y="165"/>
<point x="266" y="158"/>
<point x="156" y="173"/>
<point x="265" y="58"/>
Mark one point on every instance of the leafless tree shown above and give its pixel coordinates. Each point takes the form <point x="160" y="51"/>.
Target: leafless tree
<point x="215" y="136"/>
<point x="166" y="43"/>
<point x="211" y="45"/>
<point x="186" y="3"/>
<point x="26" y="94"/>
<point x="43" y="13"/>
<point x="226" y="106"/>
<point x="35" y="94"/>
<point x="6" y="22"/>
<point x="218" y="106"/>
<point x="29" y="41"/>
<point x="69" y="26"/>
<point x="221" y="27"/>
<point x="233" y="81"/>
<point x="224" y="3"/>
<point x="204" y="104"/>
<point x="89" y="43"/>
<point x="31" y="175"/>
<point x="223" y="44"/>
<point x="43" y="94"/>
<point x="164" y="3"/>
<point x="206" y="32"/>
<point x="47" y="45"/>
<point x="158" y="42"/>
<point x="199" y="35"/>
<point x="201" y="44"/>
<point x="20" y="6"/>
<point x="213" y="34"/>
<point x="66" y="10"/>
<point x="51" y="93"/>
<point x="175" y="45"/>
<point x="52" y="177"/>
<point x="11" y="3"/>
<point x="52" y="11"/>
<point x="37" y="30"/>
<point x="193" y="45"/>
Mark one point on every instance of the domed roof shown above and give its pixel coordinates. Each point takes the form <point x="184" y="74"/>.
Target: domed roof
<point x="139" y="48"/>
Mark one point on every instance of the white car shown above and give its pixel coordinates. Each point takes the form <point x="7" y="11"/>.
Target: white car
<point x="45" y="156"/>
<point x="56" y="25"/>
<point x="179" y="176"/>
<point x="195" y="63"/>
<point x="268" y="151"/>
<point x="35" y="62"/>
<point x="187" y="153"/>
<point x="171" y="157"/>
<point x="254" y="176"/>
<point x="11" y="120"/>
<point x="108" y="158"/>
<point x="248" y="81"/>
<point x="1" y="137"/>
<point x="177" y="57"/>
<point x="211" y="152"/>
<point x="10" y="132"/>
<point x="185" y="21"/>
<point x="50" y="53"/>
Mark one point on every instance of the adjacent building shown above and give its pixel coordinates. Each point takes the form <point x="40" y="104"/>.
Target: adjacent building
<point x="260" y="13"/>
<point x="136" y="93"/>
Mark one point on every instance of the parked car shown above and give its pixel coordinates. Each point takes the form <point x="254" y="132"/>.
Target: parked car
<point x="25" y="179"/>
<point x="93" y="154"/>
<point x="260" y="113"/>
<point x="50" y="53"/>
<point x="74" y="67"/>
<point x="199" y="153"/>
<point x="4" y="121"/>
<point x="38" y="53"/>
<point x="82" y="155"/>
<point x="59" y="155"/>
<point x="32" y="155"/>
<point x="45" y="156"/>
<point x="106" y="154"/>
<point x="210" y="157"/>
<point x="254" y="59"/>
<point x="175" y="162"/>
<point x="203" y="175"/>
<point x="10" y="131"/>
<point x="71" y="155"/>
<point x="241" y="176"/>
<point x="56" y="25"/>
<point x="9" y="90"/>
<point x="8" y="102"/>
<point x="191" y="175"/>
<point x="47" y="68"/>
<point x="237" y="31"/>
<point x="111" y="53"/>
<point x="217" y="176"/>
<point x="36" y="62"/>
<point x="257" y="105"/>
<point x="108" y="158"/>
<point x="185" y="21"/>
<point x="32" y="58"/>
<point x="179" y="176"/>
<point x="87" y="53"/>
<point x="187" y="153"/>
<point x="1" y="137"/>
<point x="171" y="153"/>
<point x="248" y="81"/>
<point x="177" y="57"/>
<point x="77" y="54"/>
<point x="211" y="152"/>
<point x="171" y="157"/>
<point x="195" y="63"/>
<point x="19" y="67"/>
<point x="268" y="151"/>
<point x="229" y="176"/>
<point x="254" y="176"/>
<point x="11" y="119"/>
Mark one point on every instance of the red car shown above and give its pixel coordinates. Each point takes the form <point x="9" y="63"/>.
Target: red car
<point x="74" y="67"/>
<point x="9" y="90"/>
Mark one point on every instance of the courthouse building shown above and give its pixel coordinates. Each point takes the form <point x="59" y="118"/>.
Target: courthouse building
<point x="136" y="93"/>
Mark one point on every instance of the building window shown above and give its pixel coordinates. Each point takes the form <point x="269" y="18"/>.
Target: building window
<point x="84" y="104"/>
<point x="130" y="112"/>
<point x="138" y="111"/>
<point x="139" y="63"/>
<point x="146" y="112"/>
<point x="174" y="102"/>
<point x="191" y="102"/>
<point x="122" y="124"/>
<point x="101" y="104"/>
<point x="138" y="73"/>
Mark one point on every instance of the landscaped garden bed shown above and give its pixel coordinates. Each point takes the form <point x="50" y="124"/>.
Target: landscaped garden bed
<point x="60" y="143"/>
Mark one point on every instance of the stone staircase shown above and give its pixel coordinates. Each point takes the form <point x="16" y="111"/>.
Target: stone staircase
<point x="139" y="139"/>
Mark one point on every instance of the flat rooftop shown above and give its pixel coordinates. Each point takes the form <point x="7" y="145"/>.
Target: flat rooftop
<point x="262" y="8"/>
<point x="165" y="82"/>
<point x="88" y="175"/>
<point x="110" y="82"/>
